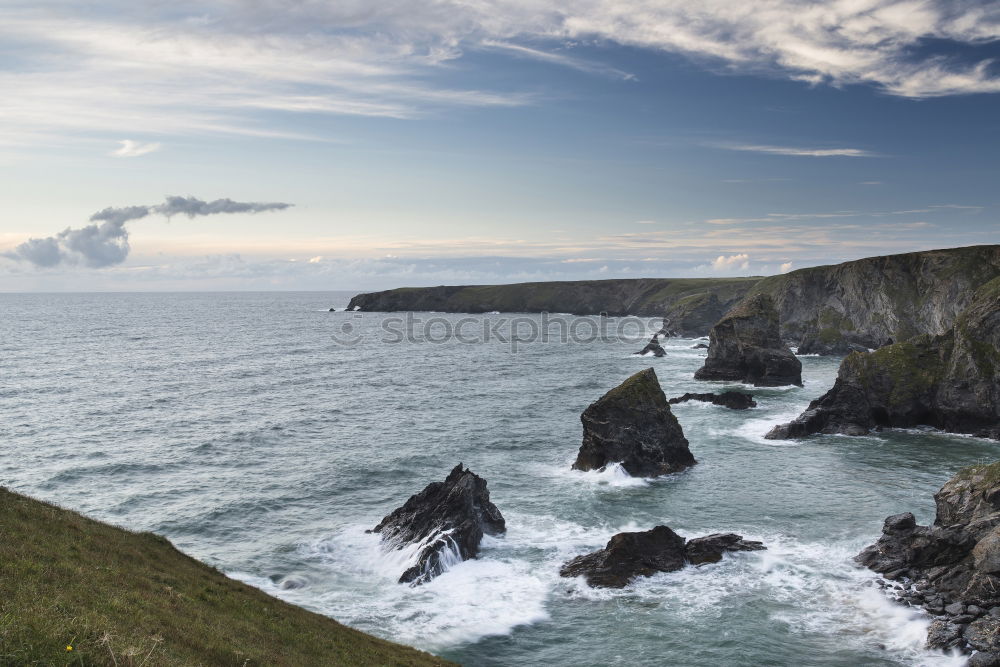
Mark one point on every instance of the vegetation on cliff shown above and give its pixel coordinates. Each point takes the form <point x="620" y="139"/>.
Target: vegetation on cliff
<point x="950" y="381"/>
<point x="877" y="301"/>
<point x="652" y="297"/>
<point x="77" y="591"/>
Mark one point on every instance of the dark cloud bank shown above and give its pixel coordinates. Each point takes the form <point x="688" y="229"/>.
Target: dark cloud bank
<point x="104" y="242"/>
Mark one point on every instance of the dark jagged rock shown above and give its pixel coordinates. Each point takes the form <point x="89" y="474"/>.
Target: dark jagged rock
<point x="699" y="346"/>
<point x="734" y="400"/>
<point x="632" y="425"/>
<point x="653" y="347"/>
<point x="745" y="346"/>
<point x="951" y="568"/>
<point x="709" y="549"/>
<point x="984" y="660"/>
<point x="951" y="382"/>
<point x="447" y="518"/>
<point x="631" y="555"/>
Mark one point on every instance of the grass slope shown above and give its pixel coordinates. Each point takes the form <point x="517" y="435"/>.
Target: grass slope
<point x="124" y="598"/>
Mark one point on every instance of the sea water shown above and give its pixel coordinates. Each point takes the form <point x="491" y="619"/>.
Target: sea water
<point x="240" y="428"/>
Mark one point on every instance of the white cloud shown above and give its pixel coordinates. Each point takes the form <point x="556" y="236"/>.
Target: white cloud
<point x="131" y="148"/>
<point x="731" y="262"/>
<point x="786" y="267"/>
<point x="797" y="151"/>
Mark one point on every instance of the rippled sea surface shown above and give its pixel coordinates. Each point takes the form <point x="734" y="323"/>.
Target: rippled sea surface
<point x="235" y="425"/>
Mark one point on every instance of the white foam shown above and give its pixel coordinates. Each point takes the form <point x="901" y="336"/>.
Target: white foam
<point x="472" y="599"/>
<point x="754" y="430"/>
<point x="613" y="475"/>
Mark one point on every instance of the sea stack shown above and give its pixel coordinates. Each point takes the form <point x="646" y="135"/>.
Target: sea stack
<point x="745" y="346"/>
<point x="951" y="382"/>
<point x="642" y="554"/>
<point x="632" y="425"/>
<point x="952" y="568"/>
<point x="653" y="347"/>
<point x="447" y="518"/>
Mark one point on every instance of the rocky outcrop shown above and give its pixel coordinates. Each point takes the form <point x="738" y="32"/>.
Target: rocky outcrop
<point x="651" y="297"/>
<point x="952" y="568"/>
<point x="869" y="303"/>
<point x="446" y="521"/>
<point x="709" y="549"/>
<point x="734" y="400"/>
<point x="653" y="347"/>
<point x="951" y="382"/>
<point x="632" y="425"/>
<point x="745" y="346"/>
<point x="641" y="554"/>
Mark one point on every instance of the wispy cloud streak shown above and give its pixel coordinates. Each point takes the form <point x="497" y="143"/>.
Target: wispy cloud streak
<point x="797" y="151"/>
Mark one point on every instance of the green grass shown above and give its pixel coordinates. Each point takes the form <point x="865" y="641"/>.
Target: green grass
<point x="124" y="598"/>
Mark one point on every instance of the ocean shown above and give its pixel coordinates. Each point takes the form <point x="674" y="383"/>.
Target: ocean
<point x="263" y="434"/>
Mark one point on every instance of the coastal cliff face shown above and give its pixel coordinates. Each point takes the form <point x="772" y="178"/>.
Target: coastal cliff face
<point x="950" y="381"/>
<point x="854" y="306"/>
<point x="694" y="302"/>
<point x="745" y="346"/>
<point x="873" y="302"/>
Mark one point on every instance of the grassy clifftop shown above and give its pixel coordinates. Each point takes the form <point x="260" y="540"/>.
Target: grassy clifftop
<point x="123" y="598"/>
<point x="641" y="296"/>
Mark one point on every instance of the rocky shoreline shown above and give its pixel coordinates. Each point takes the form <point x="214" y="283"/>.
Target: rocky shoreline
<point x="951" y="569"/>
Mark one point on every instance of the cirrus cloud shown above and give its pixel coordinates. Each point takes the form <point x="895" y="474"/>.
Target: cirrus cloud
<point x="210" y="66"/>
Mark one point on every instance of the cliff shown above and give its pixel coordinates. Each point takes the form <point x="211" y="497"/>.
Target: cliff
<point x="869" y="303"/>
<point x="950" y="381"/>
<point x="74" y="590"/>
<point x="835" y="309"/>
<point x="703" y="299"/>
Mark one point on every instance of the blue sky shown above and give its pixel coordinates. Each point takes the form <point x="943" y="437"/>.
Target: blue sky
<point x="488" y="141"/>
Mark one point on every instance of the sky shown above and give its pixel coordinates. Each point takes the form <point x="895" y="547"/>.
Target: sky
<point x="358" y="145"/>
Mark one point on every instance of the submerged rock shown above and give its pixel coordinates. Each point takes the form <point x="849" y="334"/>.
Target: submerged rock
<point x="632" y="425"/>
<point x="631" y="555"/>
<point x="952" y="566"/>
<point x="745" y="346"/>
<point x="699" y="346"/>
<point x="446" y="520"/>
<point x="653" y="347"/>
<point x="735" y="400"/>
<point x="951" y="382"/>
